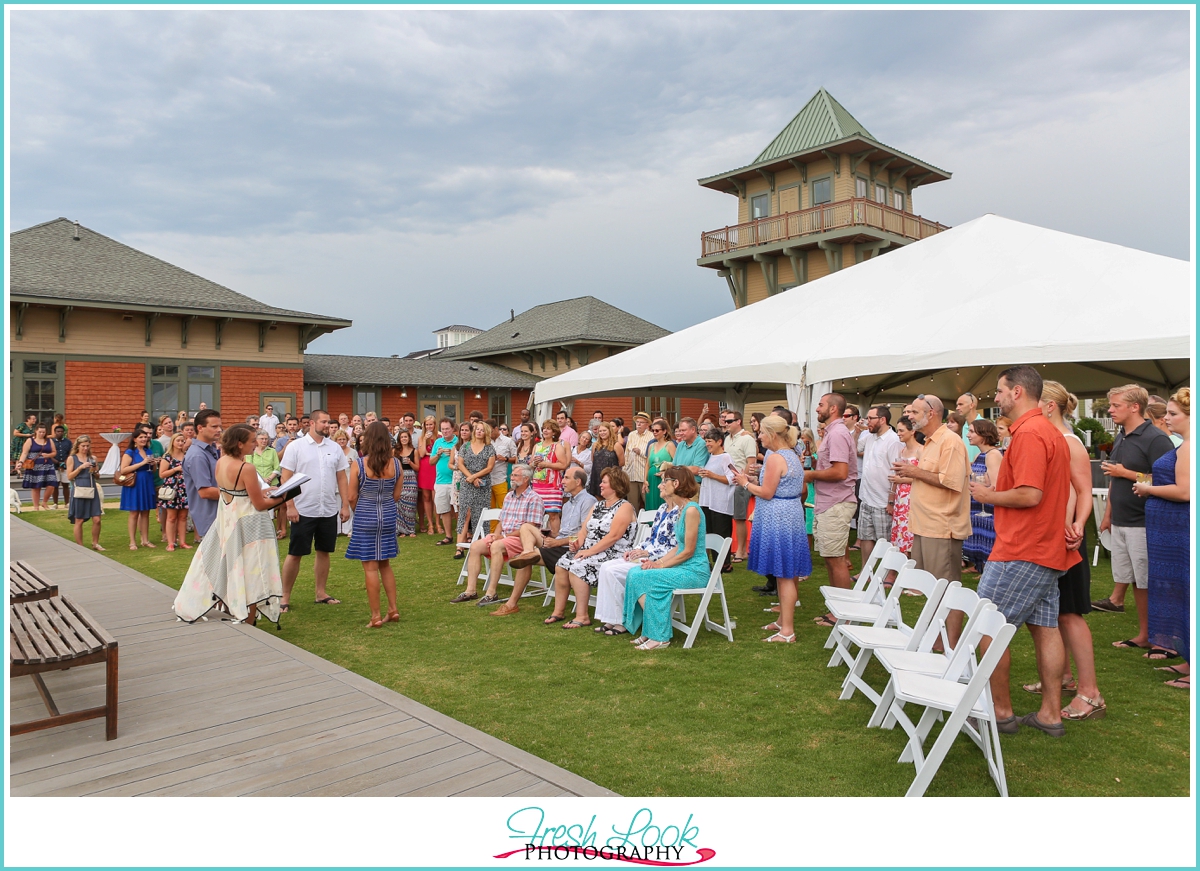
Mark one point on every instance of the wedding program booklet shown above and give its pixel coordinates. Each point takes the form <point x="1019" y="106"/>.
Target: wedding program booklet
<point x="291" y="488"/>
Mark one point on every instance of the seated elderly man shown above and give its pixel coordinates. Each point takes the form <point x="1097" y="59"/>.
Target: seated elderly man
<point x="610" y="592"/>
<point x="540" y="549"/>
<point x="521" y="506"/>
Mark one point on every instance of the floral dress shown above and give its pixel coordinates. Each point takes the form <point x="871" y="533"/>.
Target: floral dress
<point x="175" y="482"/>
<point x="902" y="536"/>
<point x="474" y="499"/>
<point x="599" y="524"/>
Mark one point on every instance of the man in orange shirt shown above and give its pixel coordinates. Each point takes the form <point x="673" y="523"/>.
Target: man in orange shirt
<point x="1034" y="544"/>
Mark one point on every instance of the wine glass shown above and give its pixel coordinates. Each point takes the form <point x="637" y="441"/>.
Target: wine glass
<point x="1144" y="477"/>
<point x="983" y="479"/>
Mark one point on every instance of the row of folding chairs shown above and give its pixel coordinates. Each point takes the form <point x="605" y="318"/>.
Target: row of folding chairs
<point x="714" y="590"/>
<point x="952" y="683"/>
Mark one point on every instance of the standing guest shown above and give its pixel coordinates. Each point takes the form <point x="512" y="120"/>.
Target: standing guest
<point x="716" y="491"/>
<point x="742" y="448"/>
<point x="1137" y="447"/>
<point x="622" y="430"/>
<point x="252" y="421"/>
<point x="138" y="500"/>
<point x="1074" y="585"/>
<point x="265" y="459"/>
<point x="756" y="420"/>
<point x="238" y="565"/>
<point x="291" y="432"/>
<point x="834" y="477"/>
<point x="984" y="439"/>
<point x="1168" y="543"/>
<point x="506" y="455"/>
<point x="597" y="419"/>
<point x="940" y="508"/>
<point x="200" y="471"/>
<point x="181" y="418"/>
<point x="881" y="449"/>
<point x="606" y="534"/>
<point x="406" y="453"/>
<point x="268" y="420"/>
<point x="409" y="421"/>
<point x="464" y="436"/>
<point x="968" y="406"/>
<point x="375" y="484"/>
<point x="20" y="436"/>
<point x="1032" y="547"/>
<point x="910" y="456"/>
<point x="443" y="488"/>
<point x="524" y="417"/>
<point x="690" y="450"/>
<point x="306" y="424"/>
<point x="37" y="463"/>
<point x="342" y="439"/>
<point x="369" y="418"/>
<point x="355" y="421"/>
<point x="550" y="459"/>
<point x="189" y="430"/>
<point x="203" y="406"/>
<point x="315" y="512"/>
<point x="610" y="590"/>
<point x="637" y="444"/>
<point x="166" y="430"/>
<point x="344" y="422"/>
<point x="59" y="420"/>
<point x="159" y="449"/>
<point x="660" y="451"/>
<point x="426" y="475"/>
<point x="955" y="423"/>
<point x="809" y="456"/>
<point x="170" y="472"/>
<point x="650" y="586"/>
<point x="568" y="436"/>
<point x="1002" y="425"/>
<point x="775" y="548"/>
<point x="62" y="450"/>
<point x="476" y="459"/>
<point x="1156" y="412"/>
<point x="607" y="453"/>
<point x="85" y="502"/>
<point x="537" y="548"/>
<point x="521" y="506"/>
<point x="526" y="442"/>
<point x="144" y="420"/>
<point x="582" y="455"/>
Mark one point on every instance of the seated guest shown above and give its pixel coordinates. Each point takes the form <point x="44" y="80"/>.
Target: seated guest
<point x="716" y="490"/>
<point x="651" y="585"/>
<point x="541" y="549"/>
<point x="606" y="534"/>
<point x="610" y="592"/>
<point x="521" y="505"/>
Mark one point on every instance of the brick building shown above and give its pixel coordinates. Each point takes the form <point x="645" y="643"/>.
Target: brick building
<point x="101" y="331"/>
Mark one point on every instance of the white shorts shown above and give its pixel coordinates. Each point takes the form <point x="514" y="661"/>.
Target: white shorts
<point x="443" y="502"/>
<point x="1130" y="563"/>
<point x="610" y="591"/>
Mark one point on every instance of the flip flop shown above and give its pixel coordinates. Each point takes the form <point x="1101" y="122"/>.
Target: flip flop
<point x="283" y="609"/>
<point x="1183" y="683"/>
<point x="1130" y="643"/>
<point x="551" y="620"/>
<point x="1174" y="669"/>
<point x="1157" y="654"/>
<point x="575" y="624"/>
<point x="825" y="622"/>
<point x="328" y="600"/>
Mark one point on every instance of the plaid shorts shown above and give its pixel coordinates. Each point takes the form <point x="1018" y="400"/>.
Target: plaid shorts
<point x="1023" y="592"/>
<point x="874" y="524"/>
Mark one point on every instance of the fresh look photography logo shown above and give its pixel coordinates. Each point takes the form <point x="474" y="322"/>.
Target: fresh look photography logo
<point x="641" y="840"/>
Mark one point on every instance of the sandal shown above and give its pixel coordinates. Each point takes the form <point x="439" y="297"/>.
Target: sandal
<point x="551" y="620"/>
<point x="1158" y="654"/>
<point x="444" y="541"/>
<point x="1174" y="669"/>
<point x="649" y="644"/>
<point x="575" y="624"/>
<point x="641" y="639"/>
<point x="1036" y="688"/>
<point x="392" y="617"/>
<point x="824" y="621"/>
<point x="1096" y="712"/>
<point x="1129" y="642"/>
<point x="283" y="609"/>
<point x="771" y="627"/>
<point x="328" y="600"/>
<point x="780" y="638"/>
<point x="602" y="627"/>
<point x="376" y="624"/>
<point x="1183" y="683"/>
<point x="613" y="631"/>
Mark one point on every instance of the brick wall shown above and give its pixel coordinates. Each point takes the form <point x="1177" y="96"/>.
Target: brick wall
<point x="99" y="396"/>
<point x="241" y="385"/>
<point x="340" y="400"/>
<point x="394" y="405"/>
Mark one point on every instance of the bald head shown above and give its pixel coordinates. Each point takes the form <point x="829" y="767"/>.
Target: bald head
<point x="935" y="406"/>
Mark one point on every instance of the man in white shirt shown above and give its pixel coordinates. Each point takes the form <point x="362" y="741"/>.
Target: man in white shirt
<point x="324" y="500"/>
<point x="506" y="454"/>
<point x="742" y="447"/>
<point x="881" y="448"/>
<point x="269" y="421"/>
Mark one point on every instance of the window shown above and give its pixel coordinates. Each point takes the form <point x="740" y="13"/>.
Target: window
<point x="313" y="398"/>
<point x="164" y="391"/>
<point x="201" y="382"/>
<point x="499" y="406"/>
<point x="860" y="188"/>
<point x="364" y="401"/>
<point x="822" y="191"/>
<point x="881" y="194"/>
<point x="40" y="391"/>
<point x="174" y="387"/>
<point x="898" y="200"/>
<point x="666" y="407"/>
<point x="760" y="206"/>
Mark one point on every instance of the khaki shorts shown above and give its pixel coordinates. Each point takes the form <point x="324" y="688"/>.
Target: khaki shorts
<point x="941" y="557"/>
<point x="443" y="501"/>
<point x="831" y="529"/>
<point x="1130" y="563"/>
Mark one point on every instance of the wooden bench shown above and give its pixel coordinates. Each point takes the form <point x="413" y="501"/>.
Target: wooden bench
<point x="53" y="634"/>
<point x="25" y="583"/>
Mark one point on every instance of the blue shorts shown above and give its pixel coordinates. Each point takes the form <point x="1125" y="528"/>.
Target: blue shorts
<point x="1023" y="592"/>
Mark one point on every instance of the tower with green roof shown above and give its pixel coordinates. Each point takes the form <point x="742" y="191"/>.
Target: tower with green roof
<point x="823" y="195"/>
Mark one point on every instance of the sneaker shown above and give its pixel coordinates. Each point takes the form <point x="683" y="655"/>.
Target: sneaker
<point x="1009" y="725"/>
<point x="1108" y="605"/>
<point x="487" y="600"/>
<point x="765" y="590"/>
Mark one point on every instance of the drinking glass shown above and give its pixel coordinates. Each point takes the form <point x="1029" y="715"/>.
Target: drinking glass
<point x="984" y="479"/>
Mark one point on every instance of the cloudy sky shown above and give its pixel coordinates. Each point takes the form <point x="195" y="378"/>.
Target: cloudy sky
<point x="413" y="169"/>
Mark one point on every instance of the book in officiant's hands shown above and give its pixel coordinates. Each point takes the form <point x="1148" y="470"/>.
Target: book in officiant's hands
<point x="291" y="489"/>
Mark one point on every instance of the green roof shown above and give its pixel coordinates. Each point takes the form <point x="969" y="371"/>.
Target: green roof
<point x="822" y="120"/>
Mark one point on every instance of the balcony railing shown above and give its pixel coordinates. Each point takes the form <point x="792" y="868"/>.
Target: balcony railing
<point x="857" y="212"/>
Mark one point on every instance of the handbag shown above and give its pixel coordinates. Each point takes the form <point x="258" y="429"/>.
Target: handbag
<point x="166" y="493"/>
<point x="126" y="479"/>
<point x="85" y="493"/>
<point x="27" y="465"/>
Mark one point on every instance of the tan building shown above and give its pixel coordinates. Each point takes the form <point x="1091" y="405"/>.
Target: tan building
<point x="823" y="195"/>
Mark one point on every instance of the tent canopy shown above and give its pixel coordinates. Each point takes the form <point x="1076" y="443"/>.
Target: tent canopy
<point x="944" y="315"/>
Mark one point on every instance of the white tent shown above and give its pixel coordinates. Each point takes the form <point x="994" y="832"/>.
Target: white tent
<point x="943" y="315"/>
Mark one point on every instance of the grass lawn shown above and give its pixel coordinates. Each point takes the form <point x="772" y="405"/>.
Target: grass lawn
<point x="721" y="719"/>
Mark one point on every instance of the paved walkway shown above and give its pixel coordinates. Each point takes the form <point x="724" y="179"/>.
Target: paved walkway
<point x="224" y="709"/>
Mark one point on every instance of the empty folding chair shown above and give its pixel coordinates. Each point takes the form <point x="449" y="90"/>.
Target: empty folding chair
<point x="485" y="519"/>
<point x="845" y="612"/>
<point x="880" y="636"/>
<point x="869" y="586"/>
<point x="959" y="701"/>
<point x="715" y="587"/>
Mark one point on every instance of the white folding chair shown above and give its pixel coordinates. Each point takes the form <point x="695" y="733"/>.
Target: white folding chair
<point x="879" y="636"/>
<point x="869" y="586"/>
<point x="715" y="587"/>
<point x="645" y="522"/>
<point x="959" y="701"/>
<point x="846" y="612"/>
<point x="485" y="518"/>
<point x="923" y="659"/>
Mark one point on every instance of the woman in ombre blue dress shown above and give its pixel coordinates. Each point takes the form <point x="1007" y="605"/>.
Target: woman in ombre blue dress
<point x="375" y="485"/>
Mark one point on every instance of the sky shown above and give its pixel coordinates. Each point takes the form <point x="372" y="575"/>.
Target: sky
<point x="414" y="169"/>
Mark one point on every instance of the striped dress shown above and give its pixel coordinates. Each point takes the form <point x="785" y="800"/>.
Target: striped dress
<point x="374" y="533"/>
<point x="407" y="523"/>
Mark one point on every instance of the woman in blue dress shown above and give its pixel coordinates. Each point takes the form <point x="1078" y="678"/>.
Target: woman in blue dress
<point x="140" y="499"/>
<point x="375" y="486"/>
<point x="1168" y="543"/>
<point x="650" y="587"/>
<point x="983" y="436"/>
<point x="779" y="546"/>
<point x="39" y="453"/>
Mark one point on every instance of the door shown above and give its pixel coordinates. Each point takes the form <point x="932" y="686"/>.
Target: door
<point x="440" y="408"/>
<point x="283" y="403"/>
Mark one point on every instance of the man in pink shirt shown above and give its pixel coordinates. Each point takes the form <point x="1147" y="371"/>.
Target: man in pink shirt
<point x="834" y="477"/>
<point x="567" y="435"/>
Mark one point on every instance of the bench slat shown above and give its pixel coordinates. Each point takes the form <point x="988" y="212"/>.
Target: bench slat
<point x="81" y="643"/>
<point x="50" y="639"/>
<point x="33" y="647"/>
<point x="73" y="613"/>
<point x="25" y="582"/>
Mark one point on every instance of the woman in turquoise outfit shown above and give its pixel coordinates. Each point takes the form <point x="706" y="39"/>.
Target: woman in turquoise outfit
<point x="649" y="587"/>
<point x="659" y="451"/>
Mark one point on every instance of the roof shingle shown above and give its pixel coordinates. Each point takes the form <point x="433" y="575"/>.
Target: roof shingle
<point x="401" y="371"/>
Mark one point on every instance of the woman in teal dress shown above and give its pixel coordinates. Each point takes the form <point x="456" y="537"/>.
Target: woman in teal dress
<point x="649" y="587"/>
<point x="661" y="450"/>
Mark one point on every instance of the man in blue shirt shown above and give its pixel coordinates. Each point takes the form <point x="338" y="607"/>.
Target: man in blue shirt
<point x="443" y="485"/>
<point x="691" y="452"/>
<point x="200" y="471"/>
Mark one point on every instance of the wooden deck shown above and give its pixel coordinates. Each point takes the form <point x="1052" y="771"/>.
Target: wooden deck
<point x="222" y="709"/>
